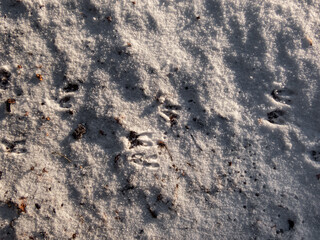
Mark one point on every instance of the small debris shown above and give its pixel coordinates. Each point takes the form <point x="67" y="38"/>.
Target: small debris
<point x="22" y="207"/>
<point x="19" y="66"/>
<point x="198" y="17"/>
<point x="153" y="213"/>
<point x="8" y="104"/>
<point x="37" y="206"/>
<point x="162" y="144"/>
<point x="109" y="18"/>
<point x="318" y="176"/>
<point x="79" y="132"/>
<point x="309" y="40"/>
<point x="61" y="155"/>
<point x="119" y="120"/>
<point x="39" y="76"/>
<point x="102" y="133"/>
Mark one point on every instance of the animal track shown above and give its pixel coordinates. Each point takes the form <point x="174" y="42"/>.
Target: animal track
<point x="65" y="102"/>
<point x="71" y="87"/>
<point x="4" y="78"/>
<point x="169" y="112"/>
<point x="276" y="116"/>
<point x="316" y="155"/>
<point x="141" y="159"/>
<point x="282" y="95"/>
<point x="12" y="146"/>
<point x="142" y="150"/>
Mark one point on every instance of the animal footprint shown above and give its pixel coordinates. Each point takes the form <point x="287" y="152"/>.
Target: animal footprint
<point x="282" y="95"/>
<point x="142" y="139"/>
<point x="142" y="152"/>
<point x="169" y="113"/>
<point x="316" y="155"/>
<point x="4" y="77"/>
<point x="276" y="116"/>
<point x="11" y="147"/>
<point x="65" y="102"/>
<point x="142" y="160"/>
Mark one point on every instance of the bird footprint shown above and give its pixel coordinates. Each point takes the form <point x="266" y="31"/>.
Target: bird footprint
<point x="142" y="160"/>
<point x="169" y="112"/>
<point x="276" y="116"/>
<point x="282" y="95"/>
<point x="142" y="150"/>
<point x="316" y="155"/>
<point x="11" y="147"/>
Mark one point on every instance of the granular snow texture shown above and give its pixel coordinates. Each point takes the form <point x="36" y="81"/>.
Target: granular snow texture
<point x="158" y="119"/>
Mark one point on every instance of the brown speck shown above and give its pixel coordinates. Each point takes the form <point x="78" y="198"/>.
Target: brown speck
<point x="133" y="2"/>
<point x="198" y="17"/>
<point x="129" y="44"/>
<point x="22" y="207"/>
<point x="109" y="18"/>
<point x="309" y="40"/>
<point x="19" y="66"/>
<point x="159" y="197"/>
<point x="44" y="170"/>
<point x="11" y="101"/>
<point x="318" y="176"/>
<point x="119" y="120"/>
<point x="161" y="144"/>
<point x="39" y="76"/>
<point x="8" y="104"/>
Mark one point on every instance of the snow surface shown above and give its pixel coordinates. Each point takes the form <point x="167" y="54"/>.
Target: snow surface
<point x="159" y="119"/>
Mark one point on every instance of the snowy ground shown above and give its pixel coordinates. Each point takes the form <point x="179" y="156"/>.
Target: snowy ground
<point x="159" y="119"/>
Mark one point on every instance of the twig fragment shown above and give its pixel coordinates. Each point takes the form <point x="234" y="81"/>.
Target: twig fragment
<point x="61" y="155"/>
<point x="163" y="145"/>
<point x="195" y="142"/>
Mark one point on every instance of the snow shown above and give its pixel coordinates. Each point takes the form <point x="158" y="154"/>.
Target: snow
<point x="195" y="119"/>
